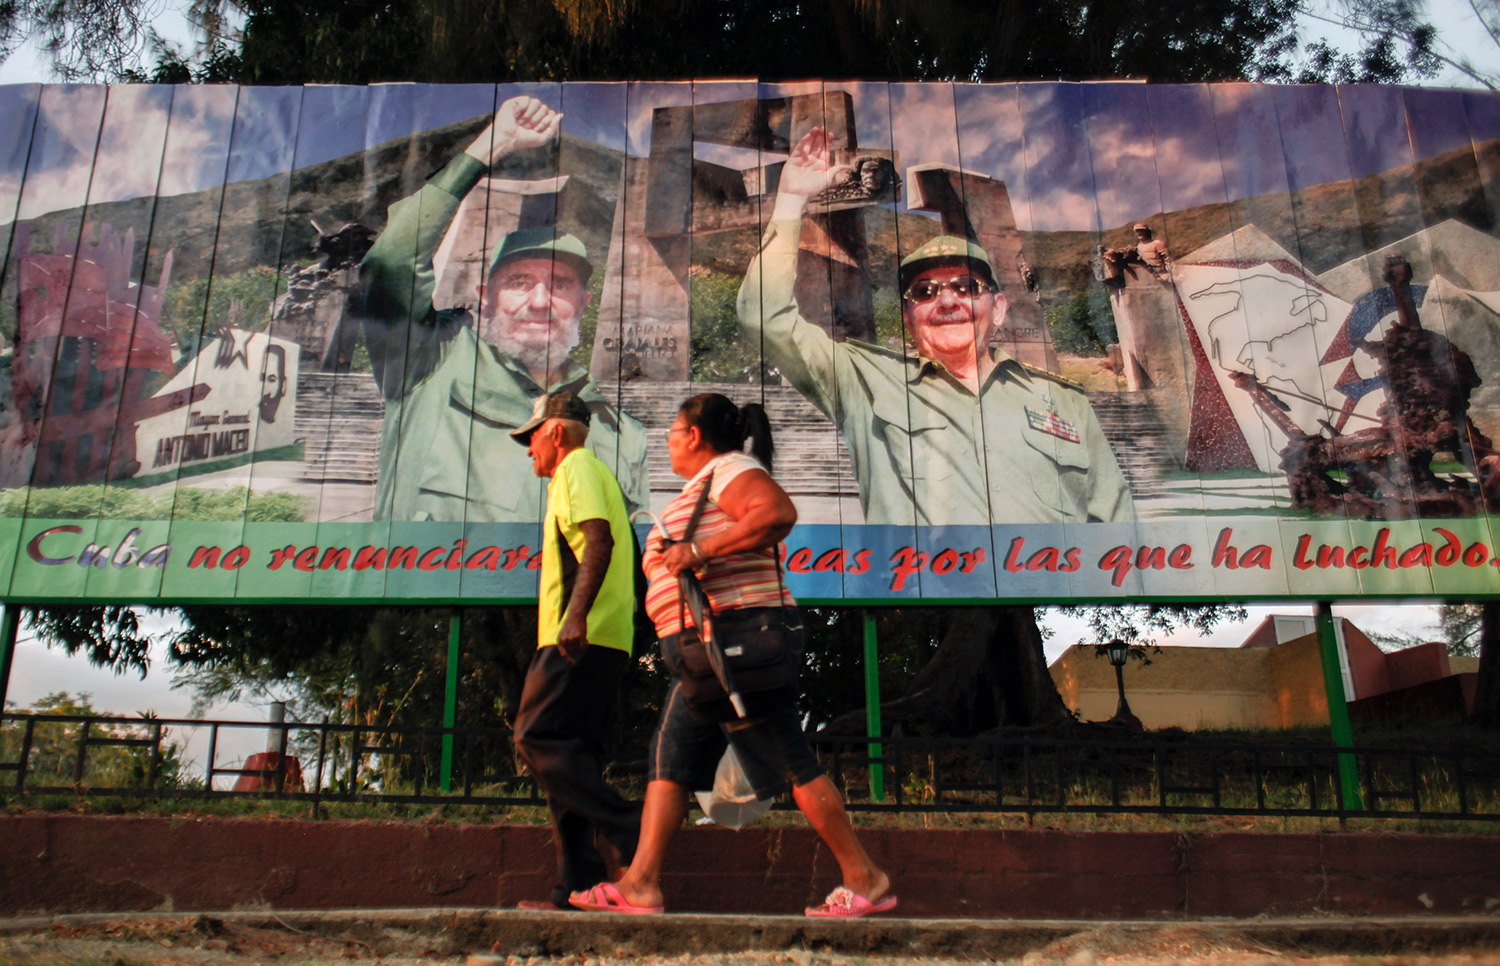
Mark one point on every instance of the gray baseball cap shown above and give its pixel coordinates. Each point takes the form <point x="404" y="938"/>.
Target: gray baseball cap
<point x="557" y="405"/>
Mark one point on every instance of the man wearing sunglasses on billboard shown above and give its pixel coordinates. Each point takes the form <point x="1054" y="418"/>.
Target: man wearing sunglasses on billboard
<point x="956" y="432"/>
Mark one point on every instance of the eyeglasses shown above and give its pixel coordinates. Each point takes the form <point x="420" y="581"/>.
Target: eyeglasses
<point x="962" y="286"/>
<point x="675" y="429"/>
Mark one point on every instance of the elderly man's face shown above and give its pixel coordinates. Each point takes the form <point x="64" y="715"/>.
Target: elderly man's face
<point x="530" y="310"/>
<point x="950" y="323"/>
<point x="543" y="448"/>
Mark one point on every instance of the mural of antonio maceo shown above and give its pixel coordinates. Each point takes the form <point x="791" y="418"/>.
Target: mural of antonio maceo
<point x="455" y="386"/>
<point x="914" y="422"/>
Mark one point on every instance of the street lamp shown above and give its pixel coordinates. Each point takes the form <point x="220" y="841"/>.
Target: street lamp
<point x="1118" y="651"/>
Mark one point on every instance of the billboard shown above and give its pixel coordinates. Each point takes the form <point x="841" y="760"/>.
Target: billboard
<point x="1019" y="342"/>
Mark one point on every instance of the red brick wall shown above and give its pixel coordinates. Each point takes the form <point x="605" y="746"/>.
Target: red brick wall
<point x="69" y="863"/>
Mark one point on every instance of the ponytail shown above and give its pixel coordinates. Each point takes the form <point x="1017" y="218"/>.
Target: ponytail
<point x="756" y="427"/>
<point x="726" y="427"/>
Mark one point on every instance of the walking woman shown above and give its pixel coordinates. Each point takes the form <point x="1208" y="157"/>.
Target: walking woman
<point x="733" y="550"/>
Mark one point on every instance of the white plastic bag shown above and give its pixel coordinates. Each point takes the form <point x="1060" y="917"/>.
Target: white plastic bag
<point x="732" y="802"/>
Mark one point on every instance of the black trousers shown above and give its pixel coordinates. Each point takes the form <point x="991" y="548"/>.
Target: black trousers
<point x="560" y="735"/>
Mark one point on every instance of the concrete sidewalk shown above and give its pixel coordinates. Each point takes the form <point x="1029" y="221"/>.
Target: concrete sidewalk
<point x="432" y="935"/>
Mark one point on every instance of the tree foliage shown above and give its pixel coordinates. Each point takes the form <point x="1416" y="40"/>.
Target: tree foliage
<point x="1459" y="627"/>
<point x="1396" y="40"/>
<point x="462" y="41"/>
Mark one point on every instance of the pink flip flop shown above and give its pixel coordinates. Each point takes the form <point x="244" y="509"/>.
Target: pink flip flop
<point x="844" y="903"/>
<point x="604" y="897"/>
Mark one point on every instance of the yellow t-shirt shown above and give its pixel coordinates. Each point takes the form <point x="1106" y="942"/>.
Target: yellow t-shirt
<point x="582" y="489"/>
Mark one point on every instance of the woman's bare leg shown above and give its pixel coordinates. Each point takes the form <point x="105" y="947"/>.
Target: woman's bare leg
<point x="662" y="814"/>
<point x="824" y="808"/>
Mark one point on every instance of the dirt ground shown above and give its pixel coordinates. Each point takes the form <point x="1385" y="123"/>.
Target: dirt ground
<point x="204" y="940"/>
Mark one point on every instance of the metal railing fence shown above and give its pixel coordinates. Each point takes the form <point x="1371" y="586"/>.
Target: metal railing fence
<point x="330" y="762"/>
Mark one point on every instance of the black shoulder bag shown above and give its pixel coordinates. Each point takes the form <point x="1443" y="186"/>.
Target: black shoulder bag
<point x="738" y="663"/>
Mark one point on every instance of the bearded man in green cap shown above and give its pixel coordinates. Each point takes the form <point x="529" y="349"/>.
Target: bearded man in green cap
<point x="957" y="432"/>
<point x="455" y="387"/>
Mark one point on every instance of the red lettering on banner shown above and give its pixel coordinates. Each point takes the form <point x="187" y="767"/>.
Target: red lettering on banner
<point x="307" y="559"/>
<point x="1118" y="560"/>
<point x="403" y="558"/>
<point x="335" y="558"/>
<point x="205" y="557"/>
<point x="1381" y="554"/>
<point x="487" y="559"/>
<point x="1229" y="557"/>
<point x="1447" y="554"/>
<point x="279" y="557"/>
<point x="904" y="563"/>
<point x="908" y="561"/>
<point x="369" y="558"/>
<point x="1050" y="559"/>
<point x="1121" y="559"/>
<point x="830" y="560"/>
<point x="800" y="562"/>
<point x="861" y="563"/>
<point x="1418" y="556"/>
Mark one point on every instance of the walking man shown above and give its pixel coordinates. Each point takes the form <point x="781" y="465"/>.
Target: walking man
<point x="585" y="627"/>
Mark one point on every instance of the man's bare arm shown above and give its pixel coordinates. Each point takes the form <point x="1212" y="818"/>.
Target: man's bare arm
<point x="599" y="545"/>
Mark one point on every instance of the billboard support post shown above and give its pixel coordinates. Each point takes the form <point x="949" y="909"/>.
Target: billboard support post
<point x="872" y="707"/>
<point x="10" y="621"/>
<point x="1338" y="708"/>
<point x="450" y="699"/>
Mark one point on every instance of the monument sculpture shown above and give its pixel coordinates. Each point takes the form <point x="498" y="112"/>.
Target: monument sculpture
<point x="1387" y="469"/>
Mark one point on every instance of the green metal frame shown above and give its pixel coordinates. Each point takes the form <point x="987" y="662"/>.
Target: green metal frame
<point x="1338" y="707"/>
<point x="10" y="622"/>
<point x="872" y="706"/>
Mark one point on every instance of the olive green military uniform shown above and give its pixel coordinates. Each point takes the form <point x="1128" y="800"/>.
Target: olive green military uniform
<point x="925" y="449"/>
<point x="452" y="400"/>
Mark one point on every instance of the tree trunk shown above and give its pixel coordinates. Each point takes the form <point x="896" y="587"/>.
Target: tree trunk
<point x="1486" y="712"/>
<point x="989" y="671"/>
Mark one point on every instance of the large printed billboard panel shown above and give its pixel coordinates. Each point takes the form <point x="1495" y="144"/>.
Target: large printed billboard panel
<point x="1025" y="342"/>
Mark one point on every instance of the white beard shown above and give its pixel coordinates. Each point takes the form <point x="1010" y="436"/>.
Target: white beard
<point x="537" y="359"/>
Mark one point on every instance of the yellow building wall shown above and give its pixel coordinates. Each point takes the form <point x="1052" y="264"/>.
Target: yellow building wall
<point x="1188" y="710"/>
<point x="1197" y="688"/>
<point x="1297" y="682"/>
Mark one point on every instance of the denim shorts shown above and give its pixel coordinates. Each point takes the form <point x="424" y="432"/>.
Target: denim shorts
<point x="686" y="749"/>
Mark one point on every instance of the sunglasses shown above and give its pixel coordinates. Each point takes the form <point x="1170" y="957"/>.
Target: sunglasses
<point x="962" y="286"/>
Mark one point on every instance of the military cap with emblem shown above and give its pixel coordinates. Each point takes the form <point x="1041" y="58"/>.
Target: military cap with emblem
<point x="557" y="405"/>
<point x="543" y="243"/>
<point x="947" y="250"/>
